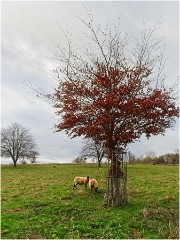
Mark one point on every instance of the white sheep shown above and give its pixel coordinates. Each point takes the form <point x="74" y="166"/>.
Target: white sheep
<point x="93" y="184"/>
<point x="81" y="181"/>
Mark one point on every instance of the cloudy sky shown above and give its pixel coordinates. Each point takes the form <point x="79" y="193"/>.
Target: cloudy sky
<point x="30" y="33"/>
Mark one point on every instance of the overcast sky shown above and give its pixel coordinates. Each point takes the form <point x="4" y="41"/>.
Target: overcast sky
<point x="29" y="34"/>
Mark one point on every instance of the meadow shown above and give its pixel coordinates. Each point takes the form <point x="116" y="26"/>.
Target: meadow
<point x="38" y="202"/>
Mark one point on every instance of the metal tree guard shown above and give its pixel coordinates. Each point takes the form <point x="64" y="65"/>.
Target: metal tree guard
<point x="116" y="181"/>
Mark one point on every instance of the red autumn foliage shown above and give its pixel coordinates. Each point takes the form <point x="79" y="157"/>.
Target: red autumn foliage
<point x="115" y="105"/>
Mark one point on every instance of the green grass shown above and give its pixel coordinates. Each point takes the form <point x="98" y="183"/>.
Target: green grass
<point x="39" y="202"/>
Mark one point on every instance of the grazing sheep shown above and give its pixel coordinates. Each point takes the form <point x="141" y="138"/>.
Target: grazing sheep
<point x="81" y="181"/>
<point x="93" y="184"/>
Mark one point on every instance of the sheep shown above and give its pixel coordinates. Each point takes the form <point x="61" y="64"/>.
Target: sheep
<point x="81" y="181"/>
<point x="93" y="184"/>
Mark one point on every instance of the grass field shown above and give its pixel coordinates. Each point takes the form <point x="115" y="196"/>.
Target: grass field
<point x="38" y="202"/>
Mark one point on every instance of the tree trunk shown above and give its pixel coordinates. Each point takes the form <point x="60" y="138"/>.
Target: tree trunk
<point x="99" y="163"/>
<point x="14" y="161"/>
<point x="116" y="182"/>
<point x="116" y="191"/>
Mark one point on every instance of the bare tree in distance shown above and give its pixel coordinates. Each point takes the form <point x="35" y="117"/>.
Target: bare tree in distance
<point x="131" y="157"/>
<point x="18" y="144"/>
<point x="31" y="158"/>
<point x="93" y="150"/>
<point x="150" y="154"/>
<point x="80" y="159"/>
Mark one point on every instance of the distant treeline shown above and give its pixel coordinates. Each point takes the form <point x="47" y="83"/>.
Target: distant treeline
<point x="169" y="158"/>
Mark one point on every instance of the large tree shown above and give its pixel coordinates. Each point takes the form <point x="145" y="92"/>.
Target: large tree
<point x="113" y="92"/>
<point x="17" y="143"/>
